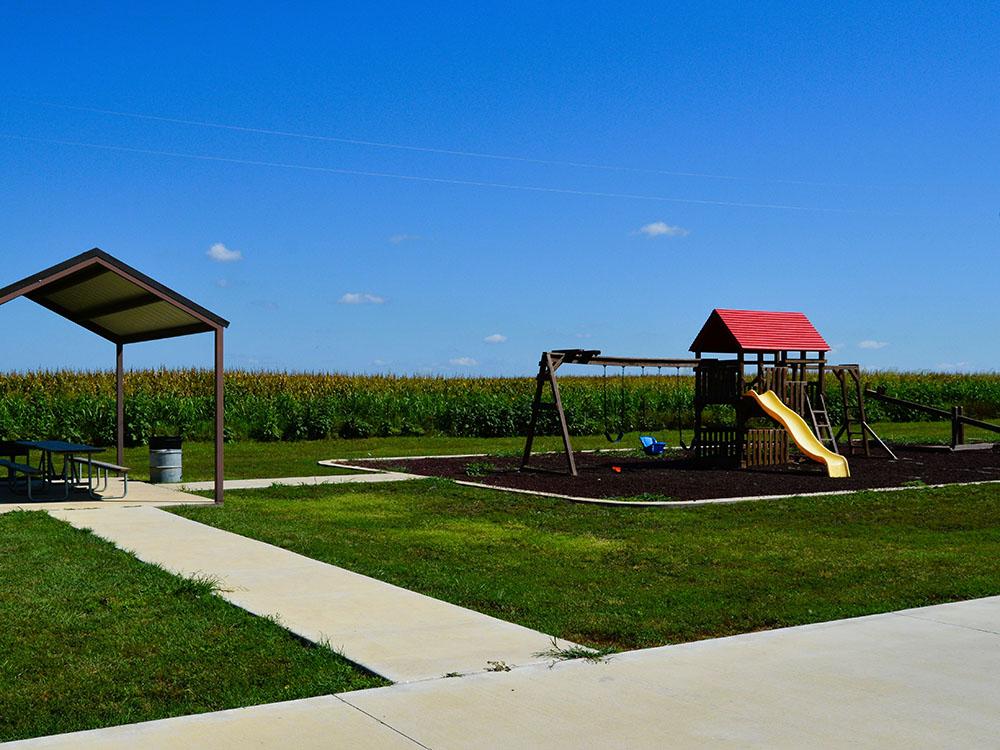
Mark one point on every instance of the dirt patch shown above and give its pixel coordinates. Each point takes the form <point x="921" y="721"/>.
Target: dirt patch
<point x="610" y="475"/>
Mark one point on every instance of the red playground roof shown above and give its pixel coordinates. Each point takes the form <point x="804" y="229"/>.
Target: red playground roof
<point x="732" y="331"/>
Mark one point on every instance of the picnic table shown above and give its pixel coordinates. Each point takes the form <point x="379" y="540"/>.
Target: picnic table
<point x="69" y="453"/>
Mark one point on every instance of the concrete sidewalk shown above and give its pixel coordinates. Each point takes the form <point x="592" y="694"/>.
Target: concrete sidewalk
<point x="323" y="722"/>
<point x="399" y="634"/>
<point x="918" y="678"/>
<point x="922" y="678"/>
<point x="139" y="493"/>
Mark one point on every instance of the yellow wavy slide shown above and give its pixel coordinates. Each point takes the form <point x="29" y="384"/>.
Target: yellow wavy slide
<point x="809" y="444"/>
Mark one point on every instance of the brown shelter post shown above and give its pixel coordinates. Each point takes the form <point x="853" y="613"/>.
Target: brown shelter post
<point x="220" y="409"/>
<point x="119" y="404"/>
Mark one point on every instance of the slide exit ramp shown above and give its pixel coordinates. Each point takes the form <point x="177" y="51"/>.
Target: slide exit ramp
<point x="808" y="443"/>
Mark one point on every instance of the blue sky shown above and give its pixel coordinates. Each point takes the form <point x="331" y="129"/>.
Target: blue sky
<point x="839" y="159"/>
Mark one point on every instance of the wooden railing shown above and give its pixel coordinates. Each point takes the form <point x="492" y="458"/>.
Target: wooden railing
<point x="718" y="444"/>
<point x="958" y="419"/>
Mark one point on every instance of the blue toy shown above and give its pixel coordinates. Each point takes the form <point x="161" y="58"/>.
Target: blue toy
<point x="651" y="446"/>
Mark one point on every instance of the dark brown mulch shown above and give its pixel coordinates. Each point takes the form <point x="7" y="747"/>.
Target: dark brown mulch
<point x="678" y="478"/>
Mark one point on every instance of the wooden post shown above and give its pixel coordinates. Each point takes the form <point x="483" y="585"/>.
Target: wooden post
<point x="957" y="428"/>
<point x="536" y="407"/>
<point x="119" y="404"/>
<point x="865" y="429"/>
<point x="567" y="445"/>
<point x="547" y="367"/>
<point x="699" y="386"/>
<point x="220" y="408"/>
<point x="739" y="439"/>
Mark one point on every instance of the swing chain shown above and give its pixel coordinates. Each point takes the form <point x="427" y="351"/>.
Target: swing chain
<point x="606" y="403"/>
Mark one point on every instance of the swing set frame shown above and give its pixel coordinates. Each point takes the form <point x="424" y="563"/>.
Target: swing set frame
<point x="549" y="363"/>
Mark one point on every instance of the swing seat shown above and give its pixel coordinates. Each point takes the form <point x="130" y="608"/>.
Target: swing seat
<point x="651" y="446"/>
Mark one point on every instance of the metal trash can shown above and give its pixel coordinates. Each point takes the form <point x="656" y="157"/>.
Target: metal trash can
<point x="165" y="459"/>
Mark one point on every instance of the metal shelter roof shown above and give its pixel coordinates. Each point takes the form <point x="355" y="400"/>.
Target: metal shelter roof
<point x="124" y="306"/>
<point x="113" y="300"/>
<point x="733" y="331"/>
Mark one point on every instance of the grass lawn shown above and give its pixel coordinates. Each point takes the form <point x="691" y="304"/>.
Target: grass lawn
<point x="246" y="460"/>
<point x="91" y="637"/>
<point x="250" y="460"/>
<point x="631" y="578"/>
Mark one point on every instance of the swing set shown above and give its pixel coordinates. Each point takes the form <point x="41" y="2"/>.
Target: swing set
<point x="615" y="432"/>
<point x="614" y="398"/>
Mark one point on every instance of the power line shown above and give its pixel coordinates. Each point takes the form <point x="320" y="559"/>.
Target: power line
<point x="421" y="178"/>
<point x="439" y="151"/>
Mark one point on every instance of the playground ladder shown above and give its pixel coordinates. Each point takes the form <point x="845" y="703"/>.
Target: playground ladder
<point x="853" y="430"/>
<point x="821" y="421"/>
<point x="854" y="423"/>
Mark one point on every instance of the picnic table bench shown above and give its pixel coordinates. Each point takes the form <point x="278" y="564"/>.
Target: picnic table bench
<point x="79" y="462"/>
<point x="14" y="468"/>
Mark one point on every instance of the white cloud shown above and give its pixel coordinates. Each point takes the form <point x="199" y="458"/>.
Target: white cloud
<point x="662" y="229"/>
<point x="396" y="239"/>
<point x="495" y="338"/>
<point x="222" y="254"/>
<point x="463" y="362"/>
<point x="872" y="344"/>
<point x="359" y="298"/>
<point x="222" y="283"/>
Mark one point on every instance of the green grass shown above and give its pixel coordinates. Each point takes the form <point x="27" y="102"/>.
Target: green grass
<point x="91" y="637"/>
<point x="632" y="577"/>
<point x="246" y="460"/>
<point x="252" y="460"/>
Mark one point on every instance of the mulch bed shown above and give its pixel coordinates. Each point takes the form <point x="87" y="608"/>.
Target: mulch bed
<point x="678" y="478"/>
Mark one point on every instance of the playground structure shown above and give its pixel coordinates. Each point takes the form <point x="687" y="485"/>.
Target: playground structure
<point x="786" y="357"/>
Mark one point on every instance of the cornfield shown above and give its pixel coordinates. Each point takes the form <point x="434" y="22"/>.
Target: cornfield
<point x="289" y="406"/>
